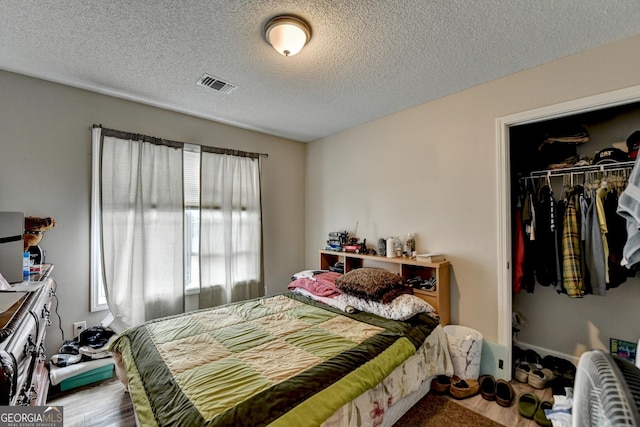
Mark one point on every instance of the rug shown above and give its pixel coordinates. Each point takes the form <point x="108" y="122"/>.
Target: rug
<point x="437" y="411"/>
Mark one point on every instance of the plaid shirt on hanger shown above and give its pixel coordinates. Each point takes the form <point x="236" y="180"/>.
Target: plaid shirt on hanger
<point x="572" y="279"/>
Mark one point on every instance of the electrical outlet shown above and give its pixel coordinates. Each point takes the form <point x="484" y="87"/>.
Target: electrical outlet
<point x="79" y="327"/>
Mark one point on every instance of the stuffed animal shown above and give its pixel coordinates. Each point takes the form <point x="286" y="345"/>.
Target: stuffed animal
<point x="34" y="227"/>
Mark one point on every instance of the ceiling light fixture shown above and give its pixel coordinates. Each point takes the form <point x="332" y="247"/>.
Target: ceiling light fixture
<point x="287" y="34"/>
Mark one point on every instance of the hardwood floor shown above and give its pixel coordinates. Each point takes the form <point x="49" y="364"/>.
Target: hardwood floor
<point x="107" y="404"/>
<point x="98" y="405"/>
<point x="506" y="416"/>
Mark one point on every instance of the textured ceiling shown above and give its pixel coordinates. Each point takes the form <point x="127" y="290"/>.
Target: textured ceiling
<point x="366" y="59"/>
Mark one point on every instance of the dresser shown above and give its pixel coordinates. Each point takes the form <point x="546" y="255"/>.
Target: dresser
<point x="24" y="378"/>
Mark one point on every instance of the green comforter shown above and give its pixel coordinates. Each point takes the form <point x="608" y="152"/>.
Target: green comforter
<point x="281" y="360"/>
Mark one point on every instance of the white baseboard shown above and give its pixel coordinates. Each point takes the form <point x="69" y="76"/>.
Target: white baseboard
<point x="547" y="352"/>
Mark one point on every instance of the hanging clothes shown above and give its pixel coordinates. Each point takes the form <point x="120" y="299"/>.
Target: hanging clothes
<point x="529" y="227"/>
<point x="572" y="272"/>
<point x="629" y="209"/>
<point x="518" y="252"/>
<point x="578" y="244"/>
<point x="601" y="194"/>
<point x="581" y="203"/>
<point x="561" y="208"/>
<point x="546" y="263"/>
<point x="518" y="255"/>
<point x="616" y="238"/>
<point x="526" y="229"/>
<point x="593" y="249"/>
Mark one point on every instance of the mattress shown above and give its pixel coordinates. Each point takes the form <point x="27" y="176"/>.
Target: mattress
<point x="281" y="360"/>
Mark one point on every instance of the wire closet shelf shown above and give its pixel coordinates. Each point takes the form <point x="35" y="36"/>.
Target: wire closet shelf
<point x="605" y="167"/>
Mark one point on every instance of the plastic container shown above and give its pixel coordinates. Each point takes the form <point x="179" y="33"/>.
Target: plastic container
<point x="409" y="244"/>
<point x="465" y="349"/>
<point x="26" y="265"/>
<point x="391" y="248"/>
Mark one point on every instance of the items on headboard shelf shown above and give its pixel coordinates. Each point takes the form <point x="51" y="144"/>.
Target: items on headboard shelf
<point x="336" y="241"/>
<point x="434" y="275"/>
<point x="339" y="241"/>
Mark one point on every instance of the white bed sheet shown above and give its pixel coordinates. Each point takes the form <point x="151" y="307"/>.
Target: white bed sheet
<point x="396" y="394"/>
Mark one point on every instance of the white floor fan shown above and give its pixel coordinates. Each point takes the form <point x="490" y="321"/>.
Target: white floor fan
<point x="606" y="391"/>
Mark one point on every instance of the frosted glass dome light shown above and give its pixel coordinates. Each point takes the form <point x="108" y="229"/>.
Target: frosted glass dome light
<point x="287" y="34"/>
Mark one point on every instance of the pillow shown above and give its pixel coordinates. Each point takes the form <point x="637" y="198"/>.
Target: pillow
<point x="308" y="273"/>
<point x="322" y="284"/>
<point x="401" y="308"/>
<point x="372" y="284"/>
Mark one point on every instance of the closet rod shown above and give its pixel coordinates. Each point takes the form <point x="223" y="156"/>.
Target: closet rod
<point x="580" y="169"/>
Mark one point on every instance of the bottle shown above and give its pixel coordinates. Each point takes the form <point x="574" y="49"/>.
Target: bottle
<point x="26" y="265"/>
<point x="398" y="244"/>
<point x="410" y="244"/>
<point x="391" y="248"/>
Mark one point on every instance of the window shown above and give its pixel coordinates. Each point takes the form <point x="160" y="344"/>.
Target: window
<point x="193" y="239"/>
<point x="98" y="297"/>
<point x="191" y="164"/>
<point x="230" y="228"/>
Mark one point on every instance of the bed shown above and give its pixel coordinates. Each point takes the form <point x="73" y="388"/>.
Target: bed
<point x="282" y="360"/>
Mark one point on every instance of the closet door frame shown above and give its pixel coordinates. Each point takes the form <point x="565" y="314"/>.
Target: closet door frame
<point x="503" y="124"/>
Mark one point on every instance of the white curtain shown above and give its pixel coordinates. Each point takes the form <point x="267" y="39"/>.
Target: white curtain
<point x="142" y="227"/>
<point x="230" y="227"/>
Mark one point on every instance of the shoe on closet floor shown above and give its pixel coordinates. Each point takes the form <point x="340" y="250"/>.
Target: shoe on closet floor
<point x="442" y="383"/>
<point x="538" y="378"/>
<point x="522" y="371"/>
<point x="553" y="363"/>
<point x="560" y="367"/>
<point x="540" y="417"/>
<point x="464" y="388"/>
<point x="532" y="357"/>
<point x="504" y="393"/>
<point x="559" y="386"/>
<point x="487" y="387"/>
<point x="528" y="405"/>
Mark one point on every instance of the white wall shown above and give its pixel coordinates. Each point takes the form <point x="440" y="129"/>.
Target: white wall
<point x="45" y="170"/>
<point x="431" y="170"/>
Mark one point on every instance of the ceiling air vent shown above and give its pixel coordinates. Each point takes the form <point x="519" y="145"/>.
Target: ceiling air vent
<point x="216" y="84"/>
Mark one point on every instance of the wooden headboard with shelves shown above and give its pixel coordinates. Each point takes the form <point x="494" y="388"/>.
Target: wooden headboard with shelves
<point x="405" y="267"/>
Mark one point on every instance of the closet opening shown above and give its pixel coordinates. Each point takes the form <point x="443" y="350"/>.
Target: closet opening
<point x="555" y="323"/>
